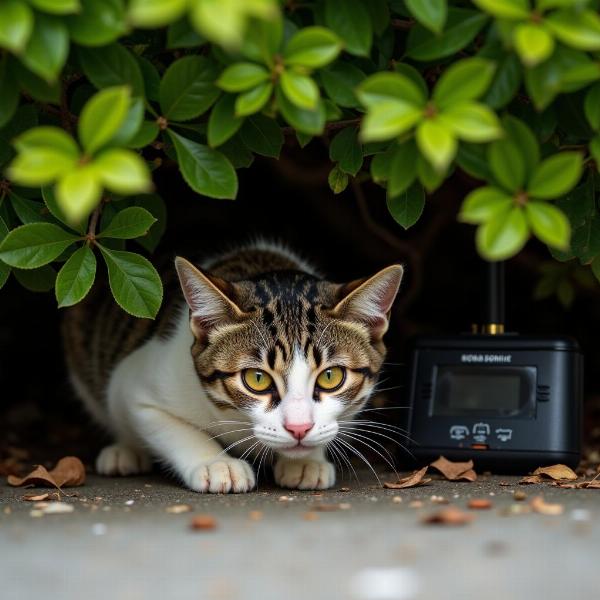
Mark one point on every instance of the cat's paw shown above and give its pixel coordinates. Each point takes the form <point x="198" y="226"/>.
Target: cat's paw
<point x="222" y="477"/>
<point x="304" y="474"/>
<point x="118" y="459"/>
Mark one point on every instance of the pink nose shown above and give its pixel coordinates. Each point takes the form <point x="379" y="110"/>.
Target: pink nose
<point x="299" y="430"/>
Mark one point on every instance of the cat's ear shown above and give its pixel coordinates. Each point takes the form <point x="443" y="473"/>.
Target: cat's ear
<point x="208" y="297"/>
<point x="369" y="301"/>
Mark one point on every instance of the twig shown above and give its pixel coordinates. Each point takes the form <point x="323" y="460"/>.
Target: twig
<point x="91" y="233"/>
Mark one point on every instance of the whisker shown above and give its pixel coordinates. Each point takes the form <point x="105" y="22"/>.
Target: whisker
<point x="214" y="437"/>
<point x="342" y="454"/>
<point x="234" y="444"/>
<point x="361" y="456"/>
<point x="360" y="439"/>
<point x="384" y="427"/>
<point x="249" y="450"/>
<point x="399" y="444"/>
<point x="337" y="462"/>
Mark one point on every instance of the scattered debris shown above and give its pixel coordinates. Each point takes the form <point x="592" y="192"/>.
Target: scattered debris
<point x="177" y="509"/>
<point x="344" y="489"/>
<point x="326" y="507"/>
<point x="285" y="499"/>
<point x="69" y="471"/>
<point x="539" y="505"/>
<point x="519" y="495"/>
<point x="255" y="515"/>
<point x="416" y="504"/>
<point x="129" y="502"/>
<point x="514" y="509"/>
<point x="439" y="500"/>
<point x="479" y="504"/>
<point x="310" y="516"/>
<point x="413" y="480"/>
<point x="531" y="479"/>
<point x="51" y="508"/>
<point x="556" y="472"/>
<point x="203" y="522"/>
<point x="397" y="499"/>
<point x="448" y="516"/>
<point x="504" y="484"/>
<point x="455" y="471"/>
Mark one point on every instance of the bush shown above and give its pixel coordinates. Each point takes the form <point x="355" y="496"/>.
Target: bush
<point x="407" y="92"/>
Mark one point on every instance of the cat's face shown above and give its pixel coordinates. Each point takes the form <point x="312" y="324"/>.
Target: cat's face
<point x="296" y="355"/>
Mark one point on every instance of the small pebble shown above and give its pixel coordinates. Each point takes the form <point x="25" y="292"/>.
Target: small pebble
<point x="129" y="502"/>
<point x="479" y="504"/>
<point x="397" y="499"/>
<point x="203" y="522"/>
<point x="344" y="489"/>
<point x="177" y="509"/>
<point x="520" y="495"/>
<point x="310" y="516"/>
<point x="255" y="515"/>
<point x="415" y="504"/>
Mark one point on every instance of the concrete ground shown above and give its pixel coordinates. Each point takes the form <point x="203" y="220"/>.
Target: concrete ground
<point x="120" y="543"/>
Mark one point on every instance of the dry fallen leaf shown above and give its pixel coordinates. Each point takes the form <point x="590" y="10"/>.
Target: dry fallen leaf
<point x="455" y="471"/>
<point x="448" y="516"/>
<point x="412" y="480"/>
<point x="479" y="504"/>
<point x="531" y="479"/>
<point x="33" y="497"/>
<point x="203" y="522"/>
<point x="539" y="505"/>
<point x="69" y="471"/>
<point x="556" y="472"/>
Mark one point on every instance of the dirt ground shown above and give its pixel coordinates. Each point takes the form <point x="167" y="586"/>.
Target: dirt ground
<point x="123" y="540"/>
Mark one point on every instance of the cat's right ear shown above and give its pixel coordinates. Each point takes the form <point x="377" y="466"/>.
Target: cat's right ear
<point x="208" y="297"/>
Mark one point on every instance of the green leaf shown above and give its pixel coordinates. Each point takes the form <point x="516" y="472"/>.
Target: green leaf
<point x="155" y="13"/>
<point x="430" y="13"/>
<point x="16" y="25"/>
<point x="312" y="47"/>
<point x="78" y="192"/>
<point x="36" y="87"/>
<point x="145" y="136"/>
<point x="27" y="210"/>
<point x="102" y="116"/>
<point x="428" y="176"/>
<point x="47" y="137"/>
<point x="205" y="170"/>
<point x="533" y="43"/>
<point x="437" y="143"/>
<point x="556" y="175"/>
<point x="57" y="212"/>
<point x="592" y="106"/>
<point x="48" y="46"/>
<point x="57" y="7"/>
<point x="483" y="204"/>
<point x="351" y="21"/>
<point x="467" y="79"/>
<point x="507" y="165"/>
<point x="36" y="280"/>
<point x="471" y="158"/>
<point x="98" y="23"/>
<point x="381" y="165"/>
<point x="340" y="81"/>
<point x="253" y="100"/>
<point x="524" y="140"/>
<point x="346" y="150"/>
<point x="111" y="66"/>
<point x="134" y="282"/>
<point x="4" y="268"/>
<point x="151" y="78"/>
<point x="506" y="82"/>
<point x="337" y="180"/>
<point x="402" y="169"/>
<point x="131" y="124"/>
<point x="242" y="76"/>
<point x="594" y="147"/>
<point x="407" y="207"/>
<point x="223" y="123"/>
<point x="472" y="122"/>
<point x="76" y="277"/>
<point x="384" y="87"/>
<point x="299" y="89"/>
<point x="262" y="135"/>
<point x="129" y="223"/>
<point x="549" y="224"/>
<point x="461" y="28"/>
<point x="187" y="89"/>
<point x="505" y="9"/>
<point x="388" y="120"/>
<point x="577" y="29"/>
<point x="180" y="34"/>
<point x="504" y="235"/>
<point x="34" y="245"/>
<point x="39" y="166"/>
<point x="311" y="122"/>
<point x="123" y="171"/>
<point x="155" y="205"/>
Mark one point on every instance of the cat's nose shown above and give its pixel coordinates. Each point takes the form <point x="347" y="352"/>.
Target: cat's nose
<point x="300" y="430"/>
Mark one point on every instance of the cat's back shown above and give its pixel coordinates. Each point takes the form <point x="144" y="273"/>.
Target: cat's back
<point x="98" y="334"/>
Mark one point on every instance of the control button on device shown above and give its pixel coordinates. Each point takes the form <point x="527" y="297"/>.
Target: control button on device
<point x="459" y="432"/>
<point x="481" y="432"/>
<point x="504" y="434"/>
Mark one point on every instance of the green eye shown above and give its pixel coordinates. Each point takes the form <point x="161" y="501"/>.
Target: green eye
<point x="257" y="380"/>
<point x="331" y="378"/>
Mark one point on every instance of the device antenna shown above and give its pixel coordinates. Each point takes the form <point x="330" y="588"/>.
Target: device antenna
<point x="495" y="317"/>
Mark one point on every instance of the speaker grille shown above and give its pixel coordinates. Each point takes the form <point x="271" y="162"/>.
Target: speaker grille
<point x="543" y="393"/>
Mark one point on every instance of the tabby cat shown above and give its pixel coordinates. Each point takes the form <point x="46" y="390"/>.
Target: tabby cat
<point x="265" y="356"/>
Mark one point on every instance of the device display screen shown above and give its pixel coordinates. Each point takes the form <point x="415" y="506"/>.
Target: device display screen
<point x="485" y="391"/>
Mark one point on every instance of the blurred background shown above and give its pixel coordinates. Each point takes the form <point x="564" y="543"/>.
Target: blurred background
<point x="348" y="236"/>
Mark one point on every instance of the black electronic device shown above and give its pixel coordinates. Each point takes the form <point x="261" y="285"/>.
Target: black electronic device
<point x="510" y="402"/>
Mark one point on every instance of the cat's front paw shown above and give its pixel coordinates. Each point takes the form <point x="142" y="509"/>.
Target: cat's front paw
<point x="118" y="459"/>
<point x="304" y="474"/>
<point x="222" y="476"/>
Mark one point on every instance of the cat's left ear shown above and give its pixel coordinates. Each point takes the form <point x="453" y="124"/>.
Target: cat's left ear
<point x="369" y="301"/>
<point x="209" y="299"/>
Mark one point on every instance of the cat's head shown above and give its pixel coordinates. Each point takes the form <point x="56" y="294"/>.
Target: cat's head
<point x="294" y="353"/>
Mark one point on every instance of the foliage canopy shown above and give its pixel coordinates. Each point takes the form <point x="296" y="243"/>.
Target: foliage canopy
<point x="407" y="92"/>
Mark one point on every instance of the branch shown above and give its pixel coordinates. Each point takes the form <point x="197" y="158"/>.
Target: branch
<point x="91" y="233"/>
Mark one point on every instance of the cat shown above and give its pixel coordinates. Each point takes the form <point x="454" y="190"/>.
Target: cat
<point x="259" y="355"/>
